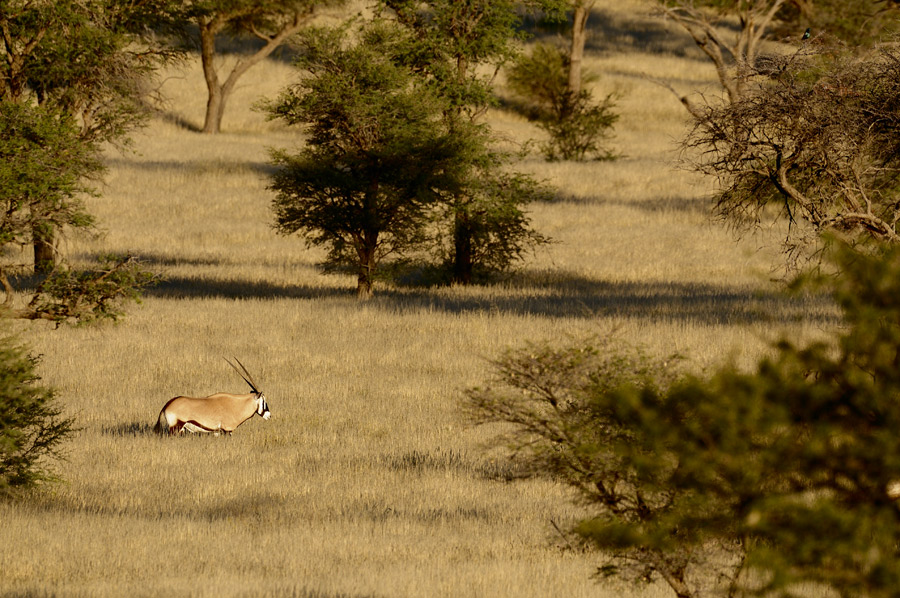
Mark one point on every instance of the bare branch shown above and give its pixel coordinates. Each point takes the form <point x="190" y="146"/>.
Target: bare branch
<point x="813" y="133"/>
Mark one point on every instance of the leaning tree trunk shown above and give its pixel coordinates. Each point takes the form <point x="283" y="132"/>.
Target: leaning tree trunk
<point x="576" y="50"/>
<point x="215" y="102"/>
<point x="219" y="93"/>
<point x="733" y="58"/>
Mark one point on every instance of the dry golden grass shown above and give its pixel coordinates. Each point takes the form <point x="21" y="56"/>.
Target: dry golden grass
<point x="366" y="481"/>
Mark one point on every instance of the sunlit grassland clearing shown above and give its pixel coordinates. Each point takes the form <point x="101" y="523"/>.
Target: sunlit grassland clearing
<point x="366" y="481"/>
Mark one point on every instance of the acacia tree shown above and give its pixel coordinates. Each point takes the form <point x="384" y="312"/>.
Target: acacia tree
<point x="451" y="45"/>
<point x="272" y="22"/>
<point x="377" y="153"/>
<point x="492" y="232"/>
<point x="88" y="60"/>
<point x="813" y="136"/>
<point x="737" y="483"/>
<point x="46" y="168"/>
<point x="73" y="79"/>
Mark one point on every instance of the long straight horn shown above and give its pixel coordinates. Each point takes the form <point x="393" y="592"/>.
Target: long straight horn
<point x="245" y="374"/>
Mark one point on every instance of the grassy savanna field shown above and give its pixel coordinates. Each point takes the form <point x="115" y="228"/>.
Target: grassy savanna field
<point x="367" y="481"/>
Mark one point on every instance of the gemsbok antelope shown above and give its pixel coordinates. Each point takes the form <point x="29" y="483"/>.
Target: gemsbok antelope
<point x="221" y="412"/>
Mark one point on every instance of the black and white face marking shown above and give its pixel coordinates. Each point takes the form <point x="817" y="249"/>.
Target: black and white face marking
<point x="262" y="408"/>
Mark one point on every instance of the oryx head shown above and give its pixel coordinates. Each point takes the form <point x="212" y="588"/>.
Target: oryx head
<point x="262" y="407"/>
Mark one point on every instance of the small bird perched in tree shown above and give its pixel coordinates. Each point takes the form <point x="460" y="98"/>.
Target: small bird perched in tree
<point x="805" y="34"/>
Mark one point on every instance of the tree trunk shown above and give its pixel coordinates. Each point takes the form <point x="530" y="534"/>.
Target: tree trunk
<point x="741" y="51"/>
<point x="363" y="285"/>
<point x="43" y="239"/>
<point x="215" y="105"/>
<point x="219" y="93"/>
<point x="215" y="101"/>
<point x="576" y="50"/>
<point x="367" y="266"/>
<point x="462" y="244"/>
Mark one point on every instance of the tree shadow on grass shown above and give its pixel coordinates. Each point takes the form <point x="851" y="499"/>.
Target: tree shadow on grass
<point x="189" y="287"/>
<point x="546" y="294"/>
<point x="675" y="204"/>
<point x="200" y="166"/>
<point x="567" y="295"/>
<point x="179" y="121"/>
<point x="129" y="429"/>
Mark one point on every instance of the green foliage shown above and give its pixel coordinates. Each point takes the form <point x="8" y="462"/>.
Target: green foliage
<point x="45" y="169"/>
<point x="245" y="16"/>
<point x="552" y="397"/>
<point x="31" y="425"/>
<point x="377" y="152"/>
<point x="577" y="126"/>
<point x="456" y="48"/>
<point x="737" y="483"/>
<point x="389" y="158"/>
<point x="83" y="296"/>
<point x="453" y="39"/>
<point x="89" y="59"/>
<point x="489" y="221"/>
<point x="73" y="77"/>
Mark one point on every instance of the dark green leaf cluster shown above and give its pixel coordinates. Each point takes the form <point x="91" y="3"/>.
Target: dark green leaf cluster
<point x="31" y="425"/>
<point x="377" y="153"/>
<point x="358" y="97"/>
<point x="73" y="77"/>
<point x="563" y="425"/>
<point x="90" y="59"/>
<point x="736" y="483"/>
<point x="254" y="18"/>
<point x="488" y="221"/>
<point x="577" y="125"/>
<point x="389" y="162"/>
<point x="452" y="39"/>
<point x="45" y="169"/>
<point x="83" y="296"/>
<point x="456" y="48"/>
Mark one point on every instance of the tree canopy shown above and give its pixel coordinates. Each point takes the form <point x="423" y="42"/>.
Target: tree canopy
<point x="74" y="77"/>
<point x="377" y="152"/>
<point x="457" y="48"/>
<point x="31" y="424"/>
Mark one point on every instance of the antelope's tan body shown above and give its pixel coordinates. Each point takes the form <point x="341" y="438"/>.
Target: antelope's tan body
<point x="218" y="413"/>
<point x="221" y="412"/>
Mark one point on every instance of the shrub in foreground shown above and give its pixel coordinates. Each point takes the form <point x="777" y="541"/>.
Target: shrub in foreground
<point x="736" y="483"/>
<point x="31" y="425"/>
